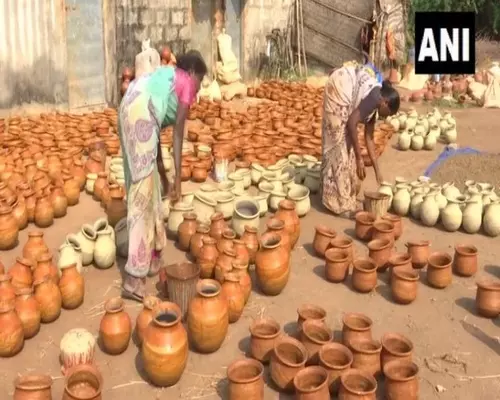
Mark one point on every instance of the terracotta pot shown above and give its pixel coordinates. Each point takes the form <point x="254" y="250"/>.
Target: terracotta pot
<point x="343" y="243"/>
<point x="401" y="380"/>
<point x="272" y="265"/>
<point x="429" y="95"/>
<point x="49" y="299"/>
<point x="357" y="385"/>
<point x="251" y="240"/>
<point x="314" y="335"/>
<point x="364" y="275"/>
<point x="28" y="310"/>
<point x="263" y="334"/>
<point x="45" y="267"/>
<point x="488" y="298"/>
<point x="242" y="255"/>
<point x="9" y="229"/>
<point x="44" y="212"/>
<point x="217" y="225"/>
<point x="30" y="202"/>
<point x="199" y="172"/>
<point x="400" y="261"/>
<point x="416" y="96"/>
<point x="116" y="209"/>
<point x="72" y="286"/>
<point x="83" y="382"/>
<point x="186" y="230"/>
<point x="224" y="264"/>
<point x="246" y="380"/>
<point x="100" y="183"/>
<point x="287" y="359"/>
<point x="240" y="268"/>
<point x="419" y="252"/>
<point x="356" y="327"/>
<point x="115" y="328"/>
<point x="286" y="212"/>
<point x="208" y="317"/>
<point x="35" y="246"/>
<point x="337" y="265"/>
<point x="364" y="225"/>
<point x="12" y="333"/>
<point x="226" y="240"/>
<point x="465" y="260"/>
<point x="383" y="230"/>
<point x="145" y="316"/>
<point x="404" y="285"/>
<point x="185" y="171"/>
<point x="366" y="355"/>
<point x="7" y="290"/>
<point x="395" y="347"/>
<point x="397" y="222"/>
<point x="311" y="383"/>
<point x="208" y="256"/>
<point x="277" y="226"/>
<point x="439" y="273"/>
<point x="309" y="311"/>
<point x="202" y="231"/>
<point x="322" y="239"/>
<point x="336" y="359"/>
<point x="234" y="295"/>
<point x="380" y="251"/>
<point x="59" y="202"/>
<point x="71" y="189"/>
<point x="21" y="274"/>
<point x="20" y="213"/>
<point x="165" y="346"/>
<point x="33" y="387"/>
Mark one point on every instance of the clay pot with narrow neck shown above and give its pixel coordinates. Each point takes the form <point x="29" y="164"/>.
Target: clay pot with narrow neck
<point x="20" y="213"/>
<point x="145" y="316"/>
<point x="116" y="327"/>
<point x="48" y="296"/>
<point x="9" y="228"/>
<point x="71" y="189"/>
<point x="12" y="333"/>
<point x="35" y="246"/>
<point x="263" y="334"/>
<point x="72" y="286"/>
<point x="286" y="212"/>
<point x="186" y="230"/>
<point x="44" y="212"/>
<point x="21" y="274"/>
<point x="277" y="226"/>
<point x="272" y="265"/>
<point x="241" y="251"/>
<point x="224" y="264"/>
<point x="208" y="257"/>
<point x="234" y="295"/>
<point x="116" y="209"/>
<point x="226" y="240"/>
<point x="30" y="203"/>
<point x="99" y="185"/>
<point x="59" y="202"/>
<point x="28" y="310"/>
<point x="217" y="225"/>
<point x="196" y="242"/>
<point x="7" y="290"/>
<point x="33" y="387"/>
<point x="251" y="240"/>
<point x="240" y="268"/>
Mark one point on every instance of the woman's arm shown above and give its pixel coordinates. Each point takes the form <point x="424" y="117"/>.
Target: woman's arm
<point x="370" y="146"/>
<point x="352" y="130"/>
<point x="182" y="112"/>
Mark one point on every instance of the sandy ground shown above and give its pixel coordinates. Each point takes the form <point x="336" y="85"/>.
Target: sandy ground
<point x="441" y="323"/>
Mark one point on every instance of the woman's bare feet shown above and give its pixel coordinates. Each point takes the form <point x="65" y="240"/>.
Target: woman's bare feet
<point x="134" y="288"/>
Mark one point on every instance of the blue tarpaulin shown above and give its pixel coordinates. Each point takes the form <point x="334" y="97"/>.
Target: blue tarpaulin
<point x="447" y="153"/>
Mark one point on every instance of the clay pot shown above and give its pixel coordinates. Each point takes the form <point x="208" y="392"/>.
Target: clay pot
<point x="277" y="226"/>
<point x="313" y="335"/>
<point x="416" y="96"/>
<point x="309" y="311"/>
<point x="404" y="285"/>
<point x="224" y="264"/>
<point x="246" y="380"/>
<point x="12" y="333"/>
<point x="44" y="212"/>
<point x="395" y="347"/>
<point x="208" y="317"/>
<point x="251" y="240"/>
<point x="488" y="298"/>
<point x="263" y="334"/>
<point x="240" y="268"/>
<point x="115" y="328"/>
<point x="364" y="274"/>
<point x="343" y="243"/>
<point x="165" y="346"/>
<point x="28" y="311"/>
<point x="429" y="95"/>
<point x="242" y="255"/>
<point x="9" y="229"/>
<point x="380" y="251"/>
<point x="401" y="380"/>
<point x="45" y="267"/>
<point x="21" y="274"/>
<point x="20" y="213"/>
<point x="357" y="385"/>
<point x="35" y="246"/>
<point x="71" y="189"/>
<point x="199" y="172"/>
<point x="33" y="387"/>
<point x="322" y="239"/>
<point x="83" y="382"/>
<point x="465" y="260"/>
<point x="217" y="225"/>
<point x="72" y="286"/>
<point x="116" y="209"/>
<point x="187" y="229"/>
<point x="145" y="316"/>
<point x="59" y="202"/>
<point x="272" y="265"/>
<point x="311" y="383"/>
<point x="287" y="359"/>
<point x="439" y="273"/>
<point x="356" y="327"/>
<point x="400" y="261"/>
<point x="383" y="230"/>
<point x="185" y="171"/>
<point x="208" y="256"/>
<point x="226" y="240"/>
<point x="7" y="290"/>
<point x="234" y="295"/>
<point x="337" y="265"/>
<point x="419" y="252"/>
<point x="100" y="183"/>
<point x="49" y="299"/>
<point x="286" y="212"/>
<point x="202" y="231"/>
<point x="336" y="359"/>
<point x="366" y="355"/>
<point x="364" y="225"/>
<point x="397" y="222"/>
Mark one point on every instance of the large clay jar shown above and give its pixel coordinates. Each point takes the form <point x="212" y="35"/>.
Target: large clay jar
<point x="116" y="209"/>
<point x="217" y="225"/>
<point x="488" y="298"/>
<point x="20" y="213"/>
<point x="277" y="226"/>
<point x="246" y="380"/>
<point x="311" y="383"/>
<point x="366" y="355"/>
<point x="72" y="286"/>
<point x="263" y="334"/>
<point x="336" y="359"/>
<point x="356" y="326"/>
<point x="196" y="243"/>
<point x="404" y="285"/>
<point x="364" y="274"/>
<point x="225" y="242"/>
<point x="314" y="335"/>
<point x="395" y="347"/>
<point x="115" y="328"/>
<point x="208" y="257"/>
<point x="44" y="267"/>
<point x="241" y="251"/>
<point x="234" y="295"/>
<point x="357" y="385"/>
<point x="48" y="296"/>
<point x="287" y="359"/>
<point x="364" y="225"/>
<point x="186" y="230"/>
<point x="286" y="212"/>
<point x="21" y="273"/>
<point x="241" y="270"/>
<point x="33" y="387"/>
<point x="272" y="265"/>
<point x="71" y="189"/>
<point x="465" y="260"/>
<point x="439" y="272"/>
<point x="322" y="239"/>
<point x="419" y="252"/>
<point x="251" y="239"/>
<point x="28" y="310"/>
<point x="44" y="212"/>
<point x="83" y="382"/>
<point x="7" y="290"/>
<point x="12" y="333"/>
<point x="401" y="380"/>
<point x="224" y="264"/>
<point x="35" y="246"/>
<point x="9" y="229"/>
<point x="208" y="317"/>
<point x="145" y="316"/>
<point x="165" y="346"/>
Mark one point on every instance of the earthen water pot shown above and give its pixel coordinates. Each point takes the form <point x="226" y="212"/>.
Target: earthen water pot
<point x="72" y="287"/>
<point x="7" y="290"/>
<point x="419" y="252"/>
<point x="217" y="225"/>
<point x="35" y="246"/>
<point x="44" y="212"/>
<point x="336" y="359"/>
<point x="272" y="267"/>
<point x="48" y="296"/>
<point x="314" y="335"/>
<point x="488" y="298"/>
<point x="115" y="328"/>
<point x="309" y="312"/>
<point x="286" y="212"/>
<point x="235" y="297"/>
<point x="224" y="264"/>
<point x="364" y="274"/>
<point x="21" y="274"/>
<point x="12" y="333"/>
<point x="208" y="257"/>
<point x="397" y="222"/>
<point x="59" y="202"/>
<point x="383" y="230"/>
<point x="240" y="268"/>
<point x="9" y="228"/>
<point x="100" y="183"/>
<point x="263" y="334"/>
<point x="356" y="384"/>
<point x="116" y="208"/>
<point x="465" y="260"/>
<point x="277" y="226"/>
<point x="379" y="250"/>
<point x="343" y="243"/>
<point x="241" y="251"/>
<point x="44" y="267"/>
<point x="439" y="271"/>
<point x="395" y="347"/>
<point x="71" y="189"/>
<point x="186" y="230"/>
<point x="83" y="382"/>
<point x="196" y="242"/>
<point x="20" y="212"/>
<point x="322" y="237"/>
<point x="311" y="383"/>
<point x="145" y="316"/>
<point x="28" y="310"/>
<point x="337" y="264"/>
<point x="246" y="379"/>
<point x="399" y="261"/>
<point x="404" y="285"/>
<point x="356" y="326"/>
<point x="251" y="240"/>
<point x="33" y="387"/>
<point x="366" y="355"/>
<point x="401" y="380"/>
<point x="225" y="242"/>
<point x="288" y="358"/>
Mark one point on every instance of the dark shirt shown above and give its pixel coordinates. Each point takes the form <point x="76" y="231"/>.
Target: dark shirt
<point x="369" y="104"/>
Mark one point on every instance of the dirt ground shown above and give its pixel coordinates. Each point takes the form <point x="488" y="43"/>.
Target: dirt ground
<point x="457" y="351"/>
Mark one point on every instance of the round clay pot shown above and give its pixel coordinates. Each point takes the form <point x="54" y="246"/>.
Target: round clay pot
<point x="187" y="229"/>
<point x="364" y="275"/>
<point x="401" y="380"/>
<point x="383" y="230"/>
<point x="356" y="384"/>
<point x="83" y="382"/>
<point x="364" y="225"/>
<point x="44" y="212"/>
<point x="21" y="274"/>
<point x="7" y="290"/>
<point x="72" y="287"/>
<point x="246" y="380"/>
<point x="465" y="260"/>
<point x="322" y="239"/>
<point x="217" y="225"/>
<point x="311" y="383"/>
<point x="208" y="317"/>
<point x="400" y="261"/>
<point x="28" y="310"/>
<point x="234" y="295"/>
<point x="397" y="222"/>
<point x="145" y="316"/>
<point x="9" y="229"/>
<point x="380" y="251"/>
<point x="309" y="311"/>
<point x="272" y="265"/>
<point x="337" y="265"/>
<point x="404" y="285"/>
<point x="208" y="256"/>
<point x="115" y="329"/>
<point x="488" y="298"/>
<point x="313" y="335"/>
<point x="336" y="359"/>
<point x="12" y="332"/>
<point x="419" y="253"/>
<point x="116" y="208"/>
<point x="439" y="272"/>
<point x="263" y="334"/>
<point x="44" y="267"/>
<point x="198" y="172"/>
<point x="33" y="387"/>
<point x="48" y="296"/>
<point x="35" y="246"/>
<point x="287" y="359"/>
<point x="286" y="212"/>
<point x="196" y="243"/>
<point x="356" y="326"/>
<point x="251" y="240"/>
<point x="395" y="347"/>
<point x="366" y="355"/>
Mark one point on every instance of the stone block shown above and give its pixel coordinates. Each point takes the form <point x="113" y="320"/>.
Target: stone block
<point x="185" y="32"/>
<point x="178" y="18"/>
<point x="170" y="33"/>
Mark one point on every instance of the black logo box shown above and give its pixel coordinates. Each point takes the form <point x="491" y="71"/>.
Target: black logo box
<point x="449" y="21"/>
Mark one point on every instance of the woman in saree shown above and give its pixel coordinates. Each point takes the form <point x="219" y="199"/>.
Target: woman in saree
<point x="153" y="101"/>
<point x="353" y="94"/>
